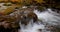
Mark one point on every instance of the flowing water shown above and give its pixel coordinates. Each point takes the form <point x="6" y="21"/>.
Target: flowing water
<point x="48" y="18"/>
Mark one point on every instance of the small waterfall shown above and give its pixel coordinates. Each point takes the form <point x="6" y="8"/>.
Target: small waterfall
<point x="35" y="27"/>
<point x="48" y="17"/>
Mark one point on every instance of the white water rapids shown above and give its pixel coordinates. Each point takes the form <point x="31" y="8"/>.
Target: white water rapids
<point x="50" y="17"/>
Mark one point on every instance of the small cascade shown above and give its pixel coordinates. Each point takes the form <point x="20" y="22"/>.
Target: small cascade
<point x="49" y="20"/>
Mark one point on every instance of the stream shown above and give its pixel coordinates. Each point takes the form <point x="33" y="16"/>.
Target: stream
<point x="49" y="19"/>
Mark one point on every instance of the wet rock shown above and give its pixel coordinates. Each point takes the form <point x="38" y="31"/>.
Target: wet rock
<point x="27" y="15"/>
<point x="33" y="16"/>
<point x="13" y="19"/>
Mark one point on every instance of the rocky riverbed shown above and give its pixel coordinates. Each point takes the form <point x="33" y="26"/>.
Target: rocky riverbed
<point x="28" y="19"/>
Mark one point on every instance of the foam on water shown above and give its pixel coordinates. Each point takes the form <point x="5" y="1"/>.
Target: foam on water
<point x="33" y="28"/>
<point x="48" y="16"/>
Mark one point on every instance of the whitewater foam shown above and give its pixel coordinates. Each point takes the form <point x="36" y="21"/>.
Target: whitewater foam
<point x="48" y="16"/>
